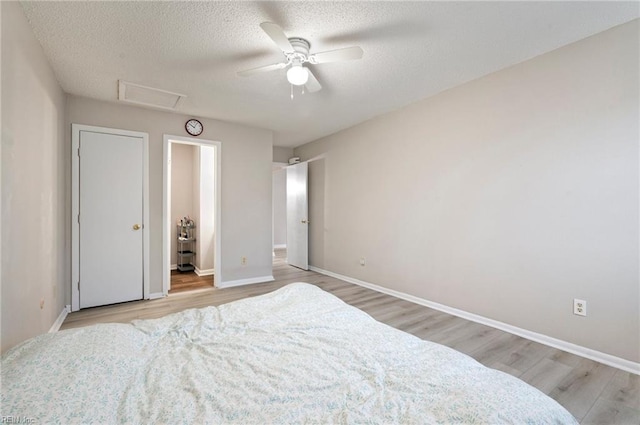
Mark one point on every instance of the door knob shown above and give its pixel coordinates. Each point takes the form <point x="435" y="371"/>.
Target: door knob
<point x="136" y="227"/>
<point x="305" y="221"/>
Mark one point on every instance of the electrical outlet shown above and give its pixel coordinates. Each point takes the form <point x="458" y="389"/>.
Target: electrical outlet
<point x="579" y="307"/>
<point x="243" y="261"/>
<point x="363" y="262"/>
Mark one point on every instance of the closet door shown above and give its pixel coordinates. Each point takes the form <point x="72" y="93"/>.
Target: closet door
<point x="110" y="218"/>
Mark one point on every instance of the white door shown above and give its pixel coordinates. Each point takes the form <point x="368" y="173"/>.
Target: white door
<point x="297" y="219"/>
<point x="111" y="218"/>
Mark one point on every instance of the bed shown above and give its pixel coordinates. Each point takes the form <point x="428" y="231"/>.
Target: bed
<point x="295" y="355"/>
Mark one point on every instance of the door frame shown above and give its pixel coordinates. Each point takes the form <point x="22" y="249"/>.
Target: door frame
<point x="166" y="201"/>
<point x="75" y="206"/>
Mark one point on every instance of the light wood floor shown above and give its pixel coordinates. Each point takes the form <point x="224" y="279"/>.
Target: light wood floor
<point x="594" y="393"/>
<point x="188" y="281"/>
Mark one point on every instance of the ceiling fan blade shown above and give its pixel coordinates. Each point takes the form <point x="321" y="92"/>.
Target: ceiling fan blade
<point x="346" y="54"/>
<point x="267" y="68"/>
<point x="277" y="35"/>
<point x="312" y="84"/>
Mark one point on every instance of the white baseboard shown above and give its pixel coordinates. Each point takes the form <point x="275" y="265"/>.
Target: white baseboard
<point x="578" y="350"/>
<point x="156" y="295"/>
<point x="207" y="272"/>
<point x="63" y="315"/>
<point x="240" y="282"/>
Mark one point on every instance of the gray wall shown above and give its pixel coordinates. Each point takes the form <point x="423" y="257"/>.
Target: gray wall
<point x="506" y="197"/>
<point x="35" y="251"/>
<point x="246" y="181"/>
<point x="282" y="154"/>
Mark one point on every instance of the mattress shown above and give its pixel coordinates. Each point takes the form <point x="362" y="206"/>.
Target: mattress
<point x="295" y="355"/>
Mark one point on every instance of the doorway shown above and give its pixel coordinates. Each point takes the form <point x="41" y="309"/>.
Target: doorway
<point x="297" y="216"/>
<point x="191" y="214"/>
<point x="290" y="214"/>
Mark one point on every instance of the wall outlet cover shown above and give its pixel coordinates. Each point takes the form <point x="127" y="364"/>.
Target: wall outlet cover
<point x="579" y="307"/>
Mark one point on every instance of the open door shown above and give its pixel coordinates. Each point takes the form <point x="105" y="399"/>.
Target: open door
<point x="297" y="220"/>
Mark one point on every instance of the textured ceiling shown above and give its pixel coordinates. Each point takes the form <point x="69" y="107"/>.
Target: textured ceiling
<point x="412" y="50"/>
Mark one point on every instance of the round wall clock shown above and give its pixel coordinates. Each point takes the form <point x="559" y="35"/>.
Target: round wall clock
<point x="194" y="127"/>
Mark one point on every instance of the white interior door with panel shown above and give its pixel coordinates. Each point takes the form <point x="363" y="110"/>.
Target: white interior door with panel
<point x="297" y="216"/>
<point x="110" y="256"/>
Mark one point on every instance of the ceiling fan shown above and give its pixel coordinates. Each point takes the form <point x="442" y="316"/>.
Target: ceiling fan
<point x="296" y="53"/>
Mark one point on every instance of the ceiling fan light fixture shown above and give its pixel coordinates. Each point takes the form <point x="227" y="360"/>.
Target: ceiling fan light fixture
<point x="298" y="75"/>
<point x="296" y="54"/>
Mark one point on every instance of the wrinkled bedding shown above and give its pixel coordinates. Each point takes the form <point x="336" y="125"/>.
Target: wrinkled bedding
<point x="296" y="355"/>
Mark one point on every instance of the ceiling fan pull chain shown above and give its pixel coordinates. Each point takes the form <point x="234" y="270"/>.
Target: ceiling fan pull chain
<point x="291" y="91"/>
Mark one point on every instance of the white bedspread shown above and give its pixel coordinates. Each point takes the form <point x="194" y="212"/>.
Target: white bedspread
<point x="295" y="355"/>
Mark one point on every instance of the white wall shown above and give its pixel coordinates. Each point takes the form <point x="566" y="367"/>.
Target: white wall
<point x="35" y="214"/>
<point x="506" y="197"/>
<point x="202" y="179"/>
<point x="206" y="208"/>
<point x="195" y="204"/>
<point x="246" y="155"/>
<point x="183" y="197"/>
<point x="279" y="192"/>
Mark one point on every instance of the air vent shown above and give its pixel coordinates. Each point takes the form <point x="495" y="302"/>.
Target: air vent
<point x="148" y="96"/>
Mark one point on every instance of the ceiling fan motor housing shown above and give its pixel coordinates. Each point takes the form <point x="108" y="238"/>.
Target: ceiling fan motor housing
<point x="300" y="45"/>
<point x="301" y="50"/>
